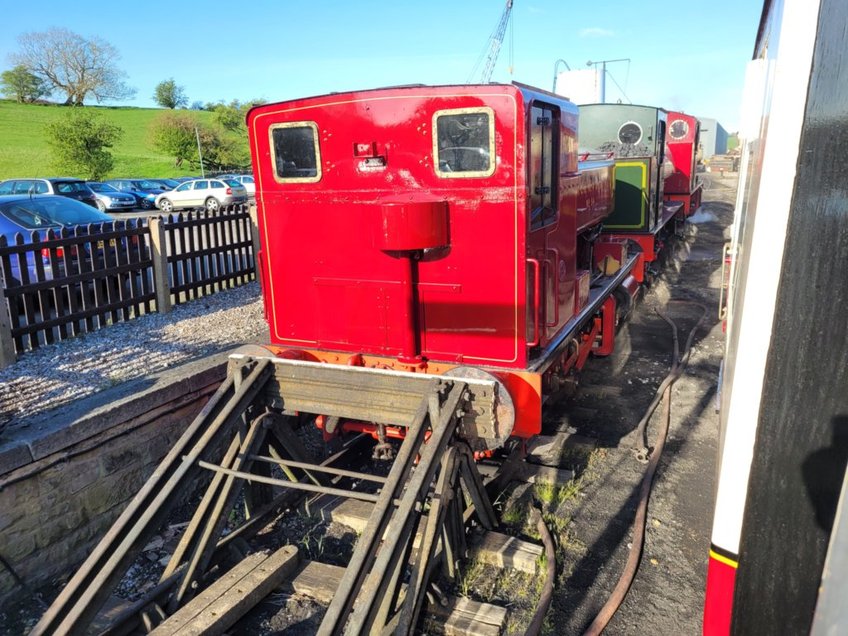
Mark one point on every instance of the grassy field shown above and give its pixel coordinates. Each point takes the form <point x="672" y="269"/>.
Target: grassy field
<point x="24" y="151"/>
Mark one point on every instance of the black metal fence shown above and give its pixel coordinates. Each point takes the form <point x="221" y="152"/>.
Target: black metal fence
<point x="57" y="285"/>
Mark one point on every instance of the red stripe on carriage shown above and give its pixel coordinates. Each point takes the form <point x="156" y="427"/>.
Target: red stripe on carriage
<point x="718" y="604"/>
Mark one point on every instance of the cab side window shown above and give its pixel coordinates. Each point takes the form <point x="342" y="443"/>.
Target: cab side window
<point x="297" y="156"/>
<point x="464" y="142"/>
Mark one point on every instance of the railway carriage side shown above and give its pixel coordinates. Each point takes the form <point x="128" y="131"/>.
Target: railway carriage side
<point x="783" y="447"/>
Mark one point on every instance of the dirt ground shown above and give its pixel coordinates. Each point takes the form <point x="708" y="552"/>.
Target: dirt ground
<point x="668" y="591"/>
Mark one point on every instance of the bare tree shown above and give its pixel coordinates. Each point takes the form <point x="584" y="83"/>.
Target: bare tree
<point x="74" y="65"/>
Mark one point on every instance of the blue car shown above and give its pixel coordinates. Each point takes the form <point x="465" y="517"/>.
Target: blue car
<point x="23" y="214"/>
<point x="145" y="190"/>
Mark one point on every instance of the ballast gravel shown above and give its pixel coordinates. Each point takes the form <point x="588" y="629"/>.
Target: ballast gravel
<point x="56" y="374"/>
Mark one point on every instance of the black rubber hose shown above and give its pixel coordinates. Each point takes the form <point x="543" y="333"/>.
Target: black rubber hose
<point x="663" y="393"/>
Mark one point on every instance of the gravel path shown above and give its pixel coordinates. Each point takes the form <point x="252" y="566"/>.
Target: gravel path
<point x="66" y="371"/>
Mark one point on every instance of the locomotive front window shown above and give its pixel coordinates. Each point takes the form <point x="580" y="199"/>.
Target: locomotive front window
<point x="296" y="155"/>
<point x="464" y="143"/>
<point x="679" y="129"/>
<point x="630" y="133"/>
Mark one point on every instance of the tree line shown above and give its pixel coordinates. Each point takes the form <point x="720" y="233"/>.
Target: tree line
<point x="59" y="62"/>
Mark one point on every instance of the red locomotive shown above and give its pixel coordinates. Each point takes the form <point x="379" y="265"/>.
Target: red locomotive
<point x="683" y="139"/>
<point x="430" y="228"/>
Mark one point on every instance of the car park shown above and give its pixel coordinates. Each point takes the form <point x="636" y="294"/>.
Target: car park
<point x="24" y="214"/>
<point x="62" y="186"/>
<point x="111" y="199"/>
<point x="211" y="194"/>
<point x="246" y="180"/>
<point x="144" y="190"/>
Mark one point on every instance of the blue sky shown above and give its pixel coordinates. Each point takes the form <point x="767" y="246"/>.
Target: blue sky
<point x="684" y="55"/>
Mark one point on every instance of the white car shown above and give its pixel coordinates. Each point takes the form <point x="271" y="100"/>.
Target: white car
<point x="246" y="180"/>
<point x="211" y="194"/>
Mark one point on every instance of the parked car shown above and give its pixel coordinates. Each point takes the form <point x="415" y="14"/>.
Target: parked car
<point x="63" y="186"/>
<point x="246" y="180"/>
<point x="109" y="198"/>
<point x="209" y="193"/>
<point x="23" y="214"/>
<point x="169" y="184"/>
<point x="144" y="190"/>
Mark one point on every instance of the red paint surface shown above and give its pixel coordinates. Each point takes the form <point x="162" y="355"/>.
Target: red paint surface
<point x="413" y="225"/>
<point x="329" y="276"/>
<point x="718" y="604"/>
<point x="385" y="259"/>
<point x="683" y="152"/>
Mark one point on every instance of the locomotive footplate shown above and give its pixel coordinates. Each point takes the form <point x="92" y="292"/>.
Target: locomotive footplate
<point x="598" y="293"/>
<point x="383" y="396"/>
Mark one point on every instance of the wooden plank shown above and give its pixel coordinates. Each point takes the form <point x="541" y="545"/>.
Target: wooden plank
<point x="464" y="617"/>
<point x="495" y="548"/>
<point x="461" y="616"/>
<point x="316" y="580"/>
<point x="218" y="607"/>
<point x="502" y="550"/>
<point x="348" y="512"/>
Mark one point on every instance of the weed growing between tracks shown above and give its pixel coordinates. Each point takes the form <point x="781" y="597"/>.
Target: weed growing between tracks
<point x="515" y="590"/>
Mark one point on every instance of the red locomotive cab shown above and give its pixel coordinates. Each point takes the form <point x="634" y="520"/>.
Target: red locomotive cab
<point x="425" y="228"/>
<point x="682" y="141"/>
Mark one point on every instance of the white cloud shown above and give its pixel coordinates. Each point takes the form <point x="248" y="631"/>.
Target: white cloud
<point x="596" y="32"/>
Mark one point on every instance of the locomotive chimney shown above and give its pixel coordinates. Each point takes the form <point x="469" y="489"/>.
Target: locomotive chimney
<point x="407" y="228"/>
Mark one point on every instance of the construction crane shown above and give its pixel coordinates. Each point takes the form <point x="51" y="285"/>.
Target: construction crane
<point x="495" y="41"/>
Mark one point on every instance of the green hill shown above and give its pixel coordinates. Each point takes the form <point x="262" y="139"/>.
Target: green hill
<point x="24" y="151"/>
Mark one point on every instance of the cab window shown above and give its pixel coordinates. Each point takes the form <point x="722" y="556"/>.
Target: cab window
<point x="464" y="142"/>
<point x="544" y="123"/>
<point x="297" y="158"/>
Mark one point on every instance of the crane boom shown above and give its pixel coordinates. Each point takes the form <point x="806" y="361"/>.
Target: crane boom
<point x="494" y="46"/>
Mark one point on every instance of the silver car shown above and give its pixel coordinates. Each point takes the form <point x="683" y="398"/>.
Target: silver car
<point x="211" y="194"/>
<point x="246" y="180"/>
<point x="111" y="199"/>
